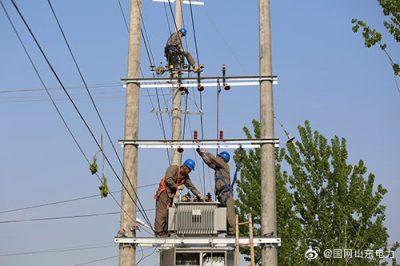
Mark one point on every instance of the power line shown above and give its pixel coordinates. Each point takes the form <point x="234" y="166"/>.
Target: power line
<point x="194" y="32"/>
<point x="93" y="261"/>
<point x="98" y="113"/>
<point x="66" y="201"/>
<point x="73" y="103"/>
<point x="58" y="217"/>
<point x="152" y="62"/>
<point x="123" y="15"/>
<point x="92" y="86"/>
<point x="55" y="106"/>
<point x="63" y="217"/>
<point x="55" y="250"/>
<point x="145" y="257"/>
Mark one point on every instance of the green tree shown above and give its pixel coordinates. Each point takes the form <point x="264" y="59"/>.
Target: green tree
<point x="322" y="201"/>
<point x="391" y="10"/>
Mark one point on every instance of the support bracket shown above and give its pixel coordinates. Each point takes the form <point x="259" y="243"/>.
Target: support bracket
<point x="194" y="144"/>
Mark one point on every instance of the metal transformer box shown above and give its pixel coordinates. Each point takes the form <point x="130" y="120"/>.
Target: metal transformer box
<point x="196" y="218"/>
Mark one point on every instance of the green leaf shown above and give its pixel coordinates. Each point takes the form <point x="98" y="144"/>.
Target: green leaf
<point x="93" y="166"/>
<point x="103" y="188"/>
<point x="321" y="200"/>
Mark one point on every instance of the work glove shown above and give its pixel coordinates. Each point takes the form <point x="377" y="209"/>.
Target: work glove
<point x="200" y="150"/>
<point x="201" y="197"/>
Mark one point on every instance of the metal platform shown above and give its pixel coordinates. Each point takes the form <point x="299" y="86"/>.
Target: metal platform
<point x="233" y="81"/>
<point x="217" y="242"/>
<point x="207" y="144"/>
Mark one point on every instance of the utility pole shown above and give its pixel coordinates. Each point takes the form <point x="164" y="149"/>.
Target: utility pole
<point x="176" y="101"/>
<point x="268" y="185"/>
<point x="127" y="253"/>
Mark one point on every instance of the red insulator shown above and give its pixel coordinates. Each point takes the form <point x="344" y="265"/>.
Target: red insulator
<point x="195" y="134"/>
<point x="221" y="134"/>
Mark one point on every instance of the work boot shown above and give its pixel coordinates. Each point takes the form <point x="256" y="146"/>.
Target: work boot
<point x="196" y="69"/>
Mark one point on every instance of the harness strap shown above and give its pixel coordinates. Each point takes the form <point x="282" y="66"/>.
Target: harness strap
<point x="227" y="188"/>
<point x="162" y="184"/>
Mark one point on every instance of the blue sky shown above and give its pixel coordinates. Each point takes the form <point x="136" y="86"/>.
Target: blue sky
<point x="325" y="76"/>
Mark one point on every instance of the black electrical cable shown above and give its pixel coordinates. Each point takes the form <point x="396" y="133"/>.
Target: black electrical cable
<point x="104" y="85"/>
<point x="56" y="250"/>
<point x="218" y="94"/>
<point x="64" y="217"/>
<point x="73" y="103"/>
<point x="93" y="261"/>
<point x="123" y="15"/>
<point x="152" y="62"/>
<point x="58" y="218"/>
<point x="166" y="15"/>
<point x="194" y="32"/>
<point x="55" y="106"/>
<point x="95" y="106"/>
<point x="67" y="201"/>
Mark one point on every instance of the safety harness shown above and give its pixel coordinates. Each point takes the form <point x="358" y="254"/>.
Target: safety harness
<point x="239" y="165"/>
<point x="228" y="188"/>
<point x="226" y="191"/>
<point x="162" y="185"/>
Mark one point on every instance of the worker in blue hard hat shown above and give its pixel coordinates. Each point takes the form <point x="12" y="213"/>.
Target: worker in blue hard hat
<point x="176" y="177"/>
<point x="174" y="47"/>
<point x="223" y="189"/>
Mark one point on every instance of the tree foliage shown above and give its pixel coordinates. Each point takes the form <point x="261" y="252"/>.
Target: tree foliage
<point x="322" y="201"/>
<point x="391" y="10"/>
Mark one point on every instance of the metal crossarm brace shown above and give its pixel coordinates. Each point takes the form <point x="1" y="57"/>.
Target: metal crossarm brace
<point x="208" y="144"/>
<point x="195" y="241"/>
<point x="233" y="81"/>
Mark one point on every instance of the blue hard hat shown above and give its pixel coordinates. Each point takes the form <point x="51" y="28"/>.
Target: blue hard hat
<point x="189" y="163"/>
<point x="183" y="31"/>
<point x="224" y="155"/>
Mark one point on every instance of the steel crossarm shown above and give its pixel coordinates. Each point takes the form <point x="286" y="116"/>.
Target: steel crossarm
<point x="195" y="241"/>
<point x="208" y="144"/>
<point x="233" y="81"/>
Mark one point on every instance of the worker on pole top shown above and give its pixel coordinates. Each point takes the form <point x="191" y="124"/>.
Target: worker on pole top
<point x="175" y="178"/>
<point x="173" y="48"/>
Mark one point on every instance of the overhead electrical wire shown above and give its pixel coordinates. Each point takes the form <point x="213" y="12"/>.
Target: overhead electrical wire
<point x="66" y="201"/>
<point x="97" y="260"/>
<point x="92" y="86"/>
<point x="97" y="110"/>
<point x="152" y="62"/>
<point x="73" y="103"/>
<point x="55" y="106"/>
<point x="57" y="250"/>
<point x="63" y="217"/>
<point x="58" y="217"/>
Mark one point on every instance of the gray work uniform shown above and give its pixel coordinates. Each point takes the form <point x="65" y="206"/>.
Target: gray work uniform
<point x="174" y="44"/>
<point x="222" y="187"/>
<point x="165" y="195"/>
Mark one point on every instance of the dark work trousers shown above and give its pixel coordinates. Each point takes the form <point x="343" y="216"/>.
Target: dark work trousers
<point x="161" y="221"/>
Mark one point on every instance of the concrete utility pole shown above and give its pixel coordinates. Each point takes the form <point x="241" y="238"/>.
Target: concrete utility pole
<point x="268" y="186"/>
<point x="127" y="253"/>
<point x="176" y="101"/>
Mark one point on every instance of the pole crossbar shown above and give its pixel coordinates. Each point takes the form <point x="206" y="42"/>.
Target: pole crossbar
<point x="212" y="78"/>
<point x="210" y="144"/>
<point x="199" y="3"/>
<point x="195" y="241"/>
